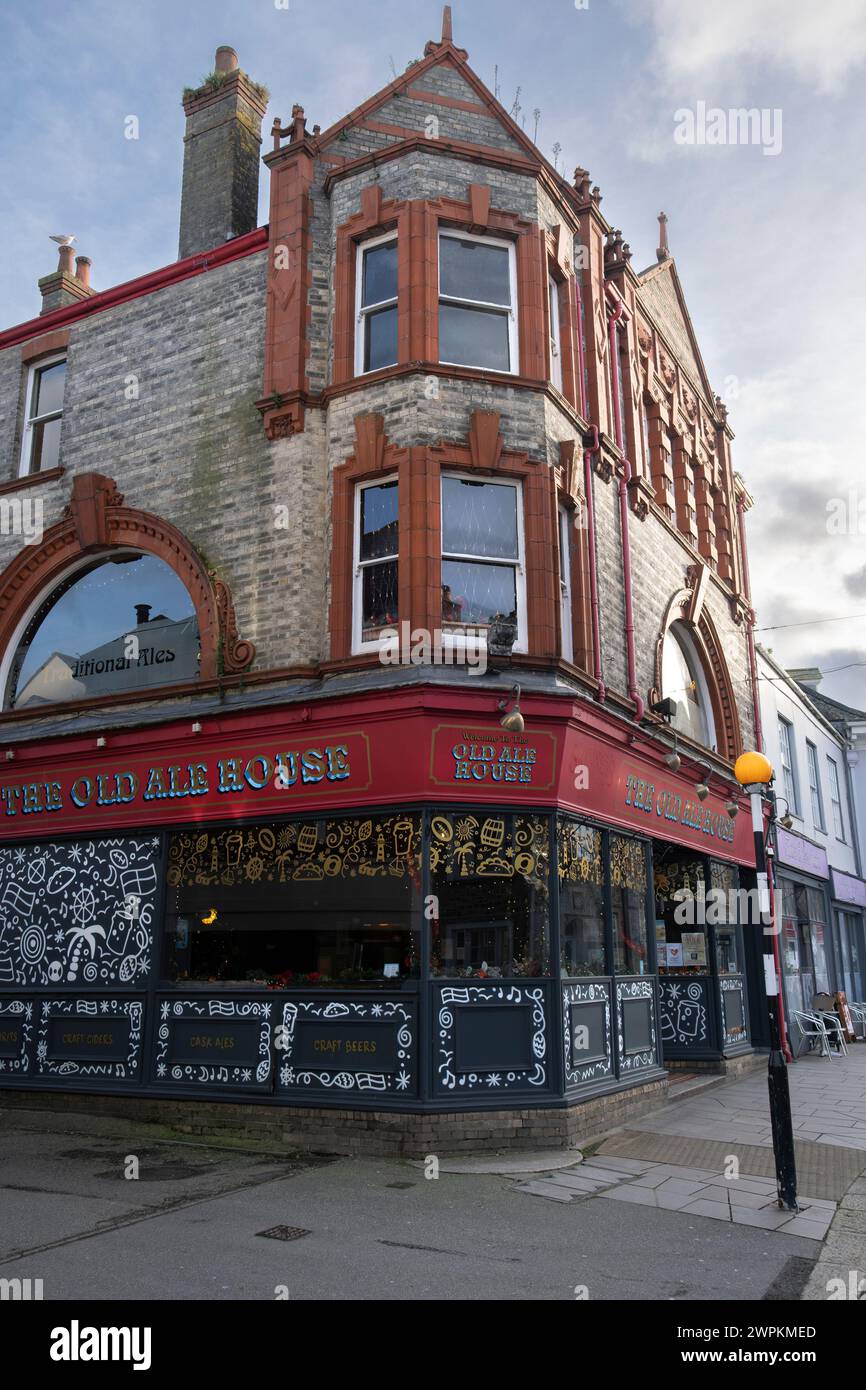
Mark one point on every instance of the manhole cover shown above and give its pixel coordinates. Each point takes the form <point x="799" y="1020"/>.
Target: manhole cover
<point x="166" y="1172"/>
<point x="284" y="1233"/>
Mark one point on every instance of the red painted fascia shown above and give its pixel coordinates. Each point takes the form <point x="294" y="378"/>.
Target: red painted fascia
<point x="133" y="289"/>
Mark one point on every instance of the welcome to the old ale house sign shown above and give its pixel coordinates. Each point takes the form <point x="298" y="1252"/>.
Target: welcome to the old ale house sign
<point x="360" y="756"/>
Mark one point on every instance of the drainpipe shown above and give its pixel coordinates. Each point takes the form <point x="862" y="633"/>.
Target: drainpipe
<point x="753" y="663"/>
<point x="581" y="364"/>
<point x="593" y="563"/>
<point x="625" y="478"/>
<point x="759" y="744"/>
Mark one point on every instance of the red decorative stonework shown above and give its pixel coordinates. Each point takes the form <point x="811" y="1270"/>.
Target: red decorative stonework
<point x="96" y="521"/>
<point x="287" y="346"/>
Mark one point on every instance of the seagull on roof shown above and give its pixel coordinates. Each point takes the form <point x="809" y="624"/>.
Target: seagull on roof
<point x="63" y="240"/>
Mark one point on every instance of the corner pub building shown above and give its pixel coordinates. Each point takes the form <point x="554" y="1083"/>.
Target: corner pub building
<point x="271" y="850"/>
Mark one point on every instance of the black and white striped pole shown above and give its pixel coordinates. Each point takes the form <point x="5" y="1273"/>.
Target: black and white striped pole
<point x="754" y="772"/>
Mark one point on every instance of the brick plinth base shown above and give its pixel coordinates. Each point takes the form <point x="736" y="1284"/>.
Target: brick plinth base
<point x="369" y="1133"/>
<point x="718" y="1066"/>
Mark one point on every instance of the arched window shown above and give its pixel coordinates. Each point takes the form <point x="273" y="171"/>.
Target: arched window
<point x="683" y="680"/>
<point x="120" y="623"/>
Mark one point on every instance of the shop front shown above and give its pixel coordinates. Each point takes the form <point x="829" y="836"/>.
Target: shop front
<point x="387" y="904"/>
<point x="700" y="914"/>
<point x="849" y="911"/>
<point x="806" y="924"/>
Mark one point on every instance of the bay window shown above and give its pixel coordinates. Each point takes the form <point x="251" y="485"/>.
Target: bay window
<point x="43" y="415"/>
<point x="375" y="561"/>
<point x="477" y="302"/>
<point x="376" y="307"/>
<point x="482" y="555"/>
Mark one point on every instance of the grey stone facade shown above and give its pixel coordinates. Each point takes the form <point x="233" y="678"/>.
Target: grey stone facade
<point x="189" y="444"/>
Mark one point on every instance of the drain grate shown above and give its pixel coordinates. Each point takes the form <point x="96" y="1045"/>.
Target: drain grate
<point x="284" y="1233"/>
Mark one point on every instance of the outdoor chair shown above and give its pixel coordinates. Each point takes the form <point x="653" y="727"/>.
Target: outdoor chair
<point x="835" y="1030"/>
<point x="858" y="1014"/>
<point x="814" y="1032"/>
<point x="824" y="1005"/>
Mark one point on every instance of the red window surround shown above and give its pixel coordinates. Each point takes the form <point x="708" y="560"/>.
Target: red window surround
<point x="419" y="555"/>
<point x="417" y="224"/>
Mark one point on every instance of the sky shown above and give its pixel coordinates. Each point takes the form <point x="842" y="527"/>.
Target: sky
<point x="761" y="240"/>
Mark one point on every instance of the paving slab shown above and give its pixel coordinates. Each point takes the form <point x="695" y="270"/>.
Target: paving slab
<point x="640" y="1196"/>
<point x="824" y="1170"/>
<point x="719" y="1211"/>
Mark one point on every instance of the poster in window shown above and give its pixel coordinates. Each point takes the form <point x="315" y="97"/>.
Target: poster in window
<point x="694" y="948"/>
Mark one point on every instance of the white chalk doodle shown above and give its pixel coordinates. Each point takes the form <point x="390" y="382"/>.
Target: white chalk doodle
<point x="79" y="912"/>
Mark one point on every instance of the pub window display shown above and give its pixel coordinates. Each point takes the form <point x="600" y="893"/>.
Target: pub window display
<point x="628" y="891"/>
<point x="724" y="881"/>
<point x="680" y="894"/>
<point x="119" y="624"/>
<point x="581" y="899"/>
<point x="489" y="880"/>
<point x="319" y="902"/>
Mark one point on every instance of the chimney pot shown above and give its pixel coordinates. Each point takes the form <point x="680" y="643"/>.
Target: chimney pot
<point x="65" y="260"/>
<point x="142" y="613"/>
<point x="82" y="269"/>
<point x="226" y="59"/>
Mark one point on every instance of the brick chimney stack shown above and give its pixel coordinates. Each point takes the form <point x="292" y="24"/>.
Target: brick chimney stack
<point x="69" y="283"/>
<point x="220" y="194"/>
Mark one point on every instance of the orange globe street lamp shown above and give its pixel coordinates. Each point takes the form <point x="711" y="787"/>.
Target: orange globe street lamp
<point x="754" y="772"/>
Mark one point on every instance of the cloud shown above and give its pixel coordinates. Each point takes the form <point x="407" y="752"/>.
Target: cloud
<point x="819" y="44"/>
<point x="856" y="583"/>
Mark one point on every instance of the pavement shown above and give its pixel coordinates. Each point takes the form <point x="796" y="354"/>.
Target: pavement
<point x="352" y="1229"/>
<point x="710" y="1155"/>
<point x="208" y="1220"/>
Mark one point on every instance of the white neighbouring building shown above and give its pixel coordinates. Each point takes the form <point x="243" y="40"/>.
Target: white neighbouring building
<point x="811" y="742"/>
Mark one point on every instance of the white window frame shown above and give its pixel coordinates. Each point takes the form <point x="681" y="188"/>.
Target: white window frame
<point x="836" y="800"/>
<point x="30" y="420"/>
<point x="787" y="746"/>
<point x="458" y="640"/>
<point x="555" y="342"/>
<point x="359" y="565"/>
<point x="566" y="620"/>
<point x="812" y="767"/>
<point x="510" y="314"/>
<point x="363" y="311"/>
